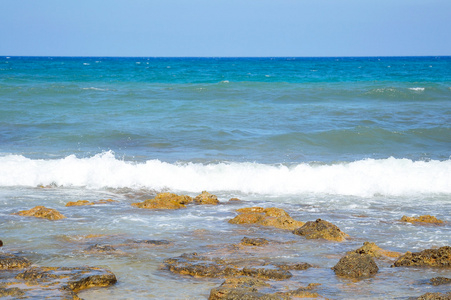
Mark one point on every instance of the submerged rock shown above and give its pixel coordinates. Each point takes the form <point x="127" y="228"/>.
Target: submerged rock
<point x="42" y="212"/>
<point x="321" y="229"/>
<point x="10" y="261"/>
<point x="356" y="265"/>
<point x="165" y="201"/>
<point x="426" y="219"/>
<point x="440" y="257"/>
<point x="206" y="198"/>
<point x="375" y="251"/>
<point x="440" y="280"/>
<point x="254" y="241"/>
<point x="272" y="217"/>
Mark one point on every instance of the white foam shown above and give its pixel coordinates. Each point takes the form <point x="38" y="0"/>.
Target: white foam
<point x="417" y="89"/>
<point x="365" y="178"/>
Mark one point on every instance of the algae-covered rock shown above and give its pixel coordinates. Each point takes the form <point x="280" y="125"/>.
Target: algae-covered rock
<point x="271" y="217"/>
<point x="435" y="296"/>
<point x="440" y="257"/>
<point x="165" y="201"/>
<point x="321" y="229"/>
<point x="42" y="212"/>
<point x="373" y="250"/>
<point x="10" y="261"/>
<point x="206" y="198"/>
<point x="356" y="265"/>
<point x="426" y="219"/>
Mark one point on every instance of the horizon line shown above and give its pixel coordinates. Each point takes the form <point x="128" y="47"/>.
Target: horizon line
<point x="209" y="57"/>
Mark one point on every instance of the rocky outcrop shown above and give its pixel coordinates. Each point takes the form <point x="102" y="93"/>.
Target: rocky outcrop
<point x="86" y="202"/>
<point x="440" y="257"/>
<point x="206" y="198"/>
<point x="321" y="229"/>
<point x="356" y="265"/>
<point x="426" y="219"/>
<point x="165" y="201"/>
<point x="10" y="261"/>
<point x="42" y="212"/>
<point x="375" y="251"/>
<point x="272" y="217"/>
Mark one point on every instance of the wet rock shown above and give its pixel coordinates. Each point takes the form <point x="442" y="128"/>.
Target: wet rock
<point x="293" y="266"/>
<point x="321" y="229"/>
<point x="10" y="261"/>
<point x="74" y="279"/>
<point x="234" y="200"/>
<point x="1" y="243"/>
<point x="254" y="241"/>
<point x="273" y="217"/>
<point x="206" y="198"/>
<point x="426" y="219"/>
<point x="267" y="273"/>
<point x="375" y="251"/>
<point x="356" y="265"/>
<point x="79" y="203"/>
<point x="435" y="296"/>
<point x="42" y="212"/>
<point x="11" y="292"/>
<point x="440" y="257"/>
<point x="440" y="280"/>
<point x="153" y="242"/>
<point x="103" y="249"/>
<point x="165" y="201"/>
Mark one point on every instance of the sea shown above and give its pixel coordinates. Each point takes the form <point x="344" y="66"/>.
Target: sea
<point x="356" y="141"/>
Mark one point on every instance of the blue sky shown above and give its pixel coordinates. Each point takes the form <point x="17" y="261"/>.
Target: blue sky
<point x="225" y="27"/>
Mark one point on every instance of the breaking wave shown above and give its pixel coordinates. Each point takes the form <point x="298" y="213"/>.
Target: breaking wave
<point x="369" y="177"/>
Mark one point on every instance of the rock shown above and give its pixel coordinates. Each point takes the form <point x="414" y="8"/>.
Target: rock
<point x="375" y="251"/>
<point x="430" y="257"/>
<point x="273" y="217"/>
<point x="206" y="198"/>
<point x="293" y="266"/>
<point x="321" y="229"/>
<point x="42" y="212"/>
<point x="435" y="296"/>
<point x="1" y="243"/>
<point x="254" y="241"/>
<point x="426" y="219"/>
<point x="153" y="242"/>
<point x="79" y="203"/>
<point x="103" y="249"/>
<point x="10" y="261"/>
<point x="74" y="279"/>
<point x="165" y="201"/>
<point x="105" y="201"/>
<point x="11" y="292"/>
<point x="267" y="273"/>
<point x="234" y="200"/>
<point x="440" y="280"/>
<point x="356" y="265"/>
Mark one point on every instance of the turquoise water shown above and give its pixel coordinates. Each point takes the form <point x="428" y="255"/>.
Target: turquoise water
<point x="334" y="138"/>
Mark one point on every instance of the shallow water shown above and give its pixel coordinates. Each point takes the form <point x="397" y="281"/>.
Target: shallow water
<point x="358" y="142"/>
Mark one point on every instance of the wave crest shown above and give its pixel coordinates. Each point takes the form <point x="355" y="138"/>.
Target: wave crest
<point x="365" y="178"/>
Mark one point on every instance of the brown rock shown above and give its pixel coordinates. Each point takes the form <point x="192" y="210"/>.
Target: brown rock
<point x="75" y="279"/>
<point x="356" y="265"/>
<point x="254" y="241"/>
<point x="435" y="296"/>
<point x="426" y="219"/>
<point x="234" y="200"/>
<point x="293" y="266"/>
<point x="430" y="257"/>
<point x="375" y="251"/>
<point x="10" y="261"/>
<point x="206" y="198"/>
<point x="273" y="217"/>
<point x="321" y="229"/>
<point x="165" y="201"/>
<point x="440" y="280"/>
<point x="79" y="203"/>
<point x="42" y="212"/>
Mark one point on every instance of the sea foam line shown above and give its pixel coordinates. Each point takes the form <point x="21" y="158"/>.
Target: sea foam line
<point x="365" y="178"/>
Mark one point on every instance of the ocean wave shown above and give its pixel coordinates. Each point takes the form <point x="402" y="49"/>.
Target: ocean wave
<point x="365" y="178"/>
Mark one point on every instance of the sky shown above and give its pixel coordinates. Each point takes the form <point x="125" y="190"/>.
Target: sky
<point x="225" y="28"/>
